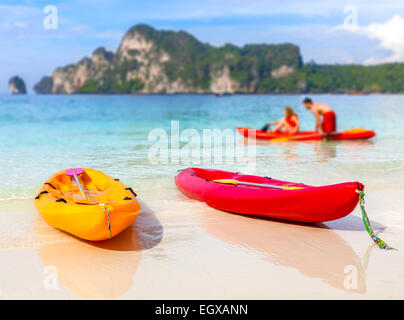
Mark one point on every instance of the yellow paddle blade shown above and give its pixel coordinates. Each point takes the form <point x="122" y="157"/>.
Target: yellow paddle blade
<point x="235" y="182"/>
<point x="291" y="188"/>
<point x="227" y="181"/>
<point x="78" y="198"/>
<point x="283" y="139"/>
<point x="355" y="130"/>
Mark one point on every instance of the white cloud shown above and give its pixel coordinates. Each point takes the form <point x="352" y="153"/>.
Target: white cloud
<point x="389" y="34"/>
<point x="371" y="61"/>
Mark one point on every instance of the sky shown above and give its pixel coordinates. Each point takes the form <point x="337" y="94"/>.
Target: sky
<point x="332" y="31"/>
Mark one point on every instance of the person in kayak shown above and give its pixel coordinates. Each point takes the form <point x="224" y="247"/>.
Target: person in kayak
<point x="289" y="124"/>
<point x="329" y="122"/>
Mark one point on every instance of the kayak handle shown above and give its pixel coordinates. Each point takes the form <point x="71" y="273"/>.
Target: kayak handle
<point x="236" y="182"/>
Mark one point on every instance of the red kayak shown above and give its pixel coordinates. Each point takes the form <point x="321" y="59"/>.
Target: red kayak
<point x="305" y="204"/>
<point x="352" y="134"/>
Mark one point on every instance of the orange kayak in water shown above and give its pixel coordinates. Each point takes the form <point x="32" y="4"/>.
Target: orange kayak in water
<point x="352" y="134"/>
<point x="94" y="207"/>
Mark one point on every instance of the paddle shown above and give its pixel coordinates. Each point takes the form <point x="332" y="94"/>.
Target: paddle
<point x="290" y="138"/>
<point x="300" y="137"/>
<point x="83" y="199"/>
<point x="355" y="130"/>
<point x="236" y="182"/>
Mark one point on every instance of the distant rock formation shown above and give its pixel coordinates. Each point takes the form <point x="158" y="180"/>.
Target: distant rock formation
<point x="44" y="86"/>
<point x="153" y="61"/>
<point x="16" y="85"/>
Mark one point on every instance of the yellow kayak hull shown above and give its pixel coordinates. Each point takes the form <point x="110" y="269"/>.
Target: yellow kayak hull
<point x="113" y="207"/>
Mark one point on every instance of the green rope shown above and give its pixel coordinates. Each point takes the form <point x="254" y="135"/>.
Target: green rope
<point x="381" y="244"/>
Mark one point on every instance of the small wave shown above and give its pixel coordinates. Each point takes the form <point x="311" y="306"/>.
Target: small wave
<point x="15" y="197"/>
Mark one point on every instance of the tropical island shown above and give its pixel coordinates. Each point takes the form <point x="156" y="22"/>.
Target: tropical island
<point x="150" y="61"/>
<point x="16" y="85"/>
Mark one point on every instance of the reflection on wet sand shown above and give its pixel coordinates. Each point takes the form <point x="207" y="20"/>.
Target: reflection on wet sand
<point x="324" y="150"/>
<point x="105" y="269"/>
<point x="257" y="142"/>
<point x="314" y="250"/>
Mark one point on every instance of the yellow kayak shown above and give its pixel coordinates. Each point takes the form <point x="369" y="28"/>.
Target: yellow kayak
<point x="87" y="203"/>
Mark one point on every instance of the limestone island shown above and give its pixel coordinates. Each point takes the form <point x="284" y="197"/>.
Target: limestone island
<point x="16" y="85"/>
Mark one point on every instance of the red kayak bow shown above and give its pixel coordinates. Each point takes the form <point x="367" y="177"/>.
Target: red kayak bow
<point x="284" y="200"/>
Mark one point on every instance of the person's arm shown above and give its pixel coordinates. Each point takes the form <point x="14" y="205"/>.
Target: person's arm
<point x="318" y="120"/>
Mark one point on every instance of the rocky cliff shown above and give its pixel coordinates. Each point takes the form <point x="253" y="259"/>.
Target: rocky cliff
<point x="156" y="61"/>
<point x="16" y="85"/>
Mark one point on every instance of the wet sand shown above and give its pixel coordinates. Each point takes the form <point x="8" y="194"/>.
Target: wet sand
<point x="179" y="248"/>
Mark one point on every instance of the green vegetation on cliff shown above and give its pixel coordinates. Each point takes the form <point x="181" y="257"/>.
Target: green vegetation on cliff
<point x="194" y="66"/>
<point x="111" y="85"/>
<point x="194" y="62"/>
<point x="383" y="78"/>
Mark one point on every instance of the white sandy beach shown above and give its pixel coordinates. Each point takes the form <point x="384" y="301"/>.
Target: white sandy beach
<point x="182" y="249"/>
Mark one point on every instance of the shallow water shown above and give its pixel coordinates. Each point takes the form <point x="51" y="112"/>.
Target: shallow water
<point x="179" y="248"/>
<point x="40" y="135"/>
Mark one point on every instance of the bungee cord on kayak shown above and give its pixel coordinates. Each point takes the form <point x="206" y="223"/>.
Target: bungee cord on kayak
<point x="260" y="198"/>
<point x="270" y="198"/>
<point x="380" y="243"/>
<point x="93" y="207"/>
<point x="109" y="222"/>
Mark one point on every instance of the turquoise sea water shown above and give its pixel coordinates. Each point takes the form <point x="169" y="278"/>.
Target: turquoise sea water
<point x="180" y="248"/>
<point x="40" y="135"/>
